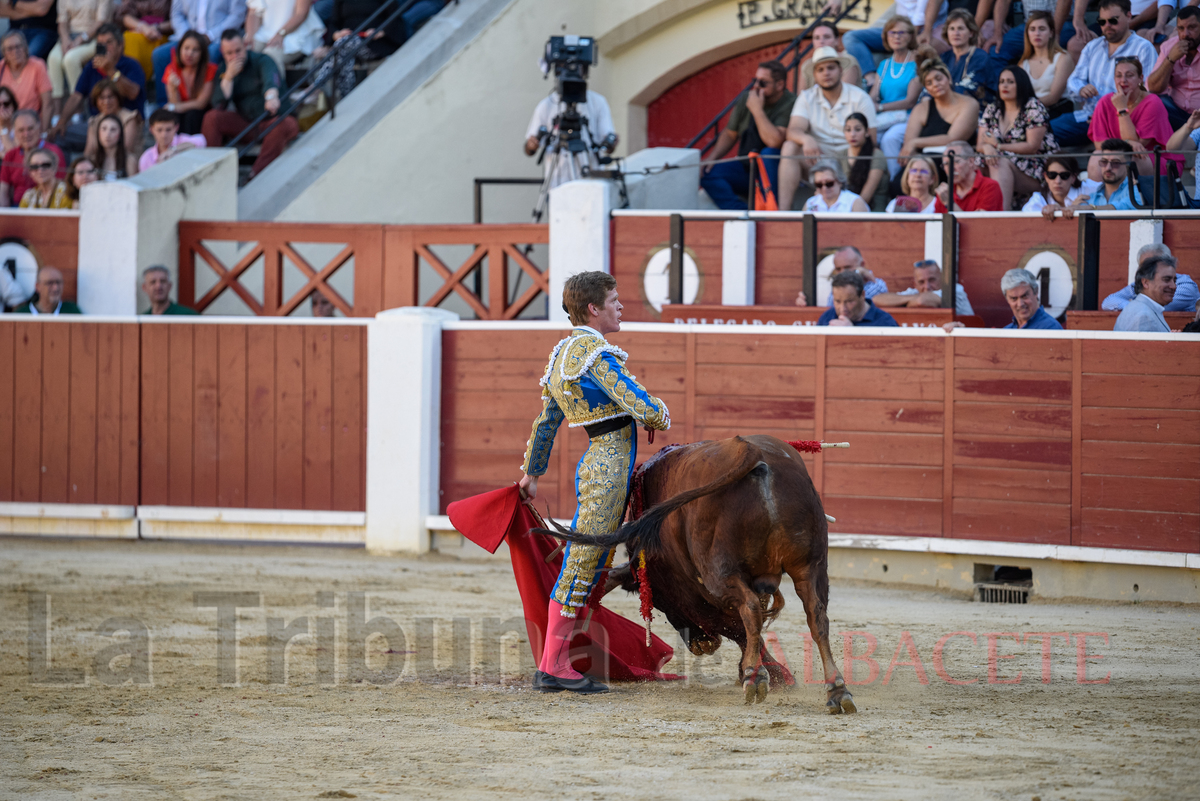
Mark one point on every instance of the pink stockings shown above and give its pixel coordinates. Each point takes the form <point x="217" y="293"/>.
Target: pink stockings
<point x="556" y="659"/>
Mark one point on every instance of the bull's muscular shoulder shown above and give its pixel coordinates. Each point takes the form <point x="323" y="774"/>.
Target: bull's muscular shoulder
<point x="580" y="352"/>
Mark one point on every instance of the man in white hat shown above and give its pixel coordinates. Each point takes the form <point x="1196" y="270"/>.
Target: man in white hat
<point x="815" y="128"/>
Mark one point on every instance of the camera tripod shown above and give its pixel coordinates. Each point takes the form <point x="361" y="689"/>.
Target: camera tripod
<point x="565" y="138"/>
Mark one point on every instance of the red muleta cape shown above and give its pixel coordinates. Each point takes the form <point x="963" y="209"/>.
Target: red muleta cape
<point x="613" y="647"/>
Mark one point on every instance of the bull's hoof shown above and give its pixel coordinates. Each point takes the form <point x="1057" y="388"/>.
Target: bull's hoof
<point x="840" y="700"/>
<point x="762" y="683"/>
<point x="755" y="685"/>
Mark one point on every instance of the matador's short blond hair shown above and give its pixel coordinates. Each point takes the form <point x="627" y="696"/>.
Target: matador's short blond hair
<point x="582" y="289"/>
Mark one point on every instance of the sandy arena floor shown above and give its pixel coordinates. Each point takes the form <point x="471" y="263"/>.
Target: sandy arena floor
<point x="462" y="723"/>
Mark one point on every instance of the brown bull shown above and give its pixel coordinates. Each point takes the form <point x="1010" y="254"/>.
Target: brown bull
<point x="726" y="520"/>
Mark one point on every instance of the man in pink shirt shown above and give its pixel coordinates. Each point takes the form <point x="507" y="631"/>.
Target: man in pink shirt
<point x="164" y="127"/>
<point x="1176" y="75"/>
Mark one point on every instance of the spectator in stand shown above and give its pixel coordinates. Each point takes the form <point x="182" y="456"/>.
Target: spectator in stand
<point x="1176" y="76"/>
<point x="758" y="123"/>
<point x="78" y="23"/>
<point x="1014" y="40"/>
<point x="1010" y="131"/>
<point x="896" y="91"/>
<point x="8" y="115"/>
<point x="286" y="30"/>
<point x="47" y="192"/>
<point x="208" y="17"/>
<point x="109" y="155"/>
<point x="1131" y="114"/>
<point x="14" y="176"/>
<point x="1020" y="289"/>
<point x="943" y="117"/>
<point x="825" y="34"/>
<point x="864" y="166"/>
<point x="1093" y="75"/>
<point x="973" y="191"/>
<point x="815" y="126"/>
<point x="25" y="76"/>
<point x="248" y="86"/>
<point x="846" y="258"/>
<point x="105" y="102"/>
<point x="47" y="296"/>
<point x="322" y="306"/>
<point x="1047" y="64"/>
<point x="851" y="306"/>
<point x="917" y="183"/>
<point x="147" y="25"/>
<point x="1060" y="187"/>
<point x="36" y="20"/>
<point x="378" y="43"/>
<point x="1113" y="160"/>
<point x="926" y="291"/>
<point x="1186" y="291"/>
<point x="189" y="79"/>
<point x="828" y="180"/>
<point x="168" y="141"/>
<point x="863" y="43"/>
<point x="1187" y="138"/>
<point x="1150" y="18"/>
<point x="972" y="71"/>
<point x="1154" y="285"/>
<point x="156" y="283"/>
<point x="110" y="63"/>
<point x="82" y="172"/>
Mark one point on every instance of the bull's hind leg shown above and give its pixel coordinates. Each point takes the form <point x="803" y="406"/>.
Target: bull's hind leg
<point x="755" y="679"/>
<point x="814" y="595"/>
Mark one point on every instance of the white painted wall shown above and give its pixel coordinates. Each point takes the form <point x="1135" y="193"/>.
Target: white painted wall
<point x="580" y="236"/>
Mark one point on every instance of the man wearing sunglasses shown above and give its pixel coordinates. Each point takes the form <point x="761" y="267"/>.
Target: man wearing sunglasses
<point x="1114" y="158"/>
<point x="1092" y="77"/>
<point x="758" y="124"/>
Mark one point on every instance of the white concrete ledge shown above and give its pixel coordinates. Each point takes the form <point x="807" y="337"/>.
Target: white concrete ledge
<point x="263" y="517"/>
<point x="68" y="511"/>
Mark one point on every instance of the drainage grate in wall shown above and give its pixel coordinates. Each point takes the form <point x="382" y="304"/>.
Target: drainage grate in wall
<point x="996" y="592"/>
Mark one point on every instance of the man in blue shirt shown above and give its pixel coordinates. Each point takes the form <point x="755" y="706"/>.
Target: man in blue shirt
<point x="850" y="304"/>
<point x="1020" y="290"/>
<point x="1186" y="291"/>
<point x="112" y="65"/>
<point x="1155" y="286"/>
<point x="1114" y="173"/>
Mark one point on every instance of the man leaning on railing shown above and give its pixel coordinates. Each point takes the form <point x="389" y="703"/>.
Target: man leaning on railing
<point x="247" y="84"/>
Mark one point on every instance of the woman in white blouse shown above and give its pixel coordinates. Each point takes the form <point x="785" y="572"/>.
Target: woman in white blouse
<point x="828" y="180"/>
<point x="1047" y="64"/>
<point x="1060" y="181"/>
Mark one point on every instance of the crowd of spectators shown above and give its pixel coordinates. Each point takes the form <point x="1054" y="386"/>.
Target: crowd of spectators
<point x="82" y="66"/>
<point x="1035" y="114"/>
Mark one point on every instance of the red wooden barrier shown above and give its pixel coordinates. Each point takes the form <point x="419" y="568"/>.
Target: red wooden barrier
<point x="53" y="239"/>
<point x="1030" y="439"/>
<point x="790" y="315"/>
<point x="1105" y="320"/>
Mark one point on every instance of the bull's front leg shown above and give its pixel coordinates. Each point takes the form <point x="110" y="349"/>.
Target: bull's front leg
<point x="838" y="699"/>
<point x="755" y="679"/>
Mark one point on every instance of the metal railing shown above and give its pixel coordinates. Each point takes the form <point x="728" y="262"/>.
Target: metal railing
<point x="297" y="98"/>
<point x="793" y="66"/>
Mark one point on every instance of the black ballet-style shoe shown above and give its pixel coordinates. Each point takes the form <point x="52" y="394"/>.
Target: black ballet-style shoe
<point x="583" y="685"/>
<point x="544" y="682"/>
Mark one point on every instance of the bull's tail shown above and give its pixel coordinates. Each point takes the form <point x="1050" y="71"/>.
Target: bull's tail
<point x="646" y="528"/>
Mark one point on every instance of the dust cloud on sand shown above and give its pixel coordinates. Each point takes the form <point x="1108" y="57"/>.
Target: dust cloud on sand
<point x="111" y="686"/>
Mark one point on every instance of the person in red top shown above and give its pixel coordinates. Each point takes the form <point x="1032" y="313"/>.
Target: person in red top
<point x="973" y="191"/>
<point x="189" y="81"/>
<point x="14" y="177"/>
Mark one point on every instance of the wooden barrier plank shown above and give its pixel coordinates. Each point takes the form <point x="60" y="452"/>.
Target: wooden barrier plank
<point x="752" y="349"/>
<point x="1016" y="452"/>
<point x="205" y="427"/>
<point x="318" y="417"/>
<point x="289" y="418"/>
<point x="768" y="317"/>
<point x="1076" y="441"/>
<point x="1012" y="386"/>
<point x="708" y="432"/>
<point x="232" y="432"/>
<point x="181" y="413"/>
<point x="369" y="267"/>
<point x="1012" y="485"/>
<point x="642" y="347"/>
<point x="880" y="383"/>
<point x="883" y="481"/>
<point x="948" y="423"/>
<point x="1107" y="320"/>
<point x="1153" y="392"/>
<point x="8" y="381"/>
<point x="868" y="448"/>
<point x="84" y="435"/>
<point x="109" y="401"/>
<point x="1038" y="355"/>
<point x="752" y="411"/>
<point x="1154" y="531"/>
<point x="1123" y="459"/>
<point x="131" y="415"/>
<point x="762" y="380"/>
<point x="912" y="518"/>
<point x="778" y="264"/>
<point x="260" y="416"/>
<point x="56" y="413"/>
<point x="1114" y="258"/>
<point x="1180" y="426"/>
<point x="1142" y="493"/>
<point x="27" y="412"/>
<point x="899" y="416"/>
<point x="1182" y="236"/>
<point x="533" y="346"/>
<point x="1005" y="521"/>
<point x="889" y="352"/>
<point x="1146" y="358"/>
<point x="348" y="420"/>
<point x="635" y="239"/>
<point x="1048" y="422"/>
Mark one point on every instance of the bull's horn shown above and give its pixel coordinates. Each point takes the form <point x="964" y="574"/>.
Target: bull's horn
<point x="831" y="518"/>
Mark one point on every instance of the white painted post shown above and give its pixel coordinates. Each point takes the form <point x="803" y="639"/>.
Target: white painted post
<point x="738" y="262"/>
<point x="580" y="240"/>
<point x="404" y="397"/>
<point x="108" y="248"/>
<point x="1142" y="233"/>
<point x="933" y="241"/>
